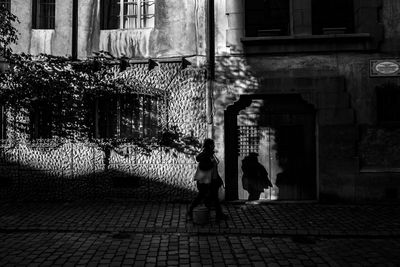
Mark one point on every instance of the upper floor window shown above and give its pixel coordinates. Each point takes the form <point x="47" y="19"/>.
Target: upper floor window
<point x="6" y="4"/>
<point x="332" y="16"/>
<point x="267" y="17"/>
<point x="126" y="116"/>
<point x="43" y="14"/>
<point x="127" y="14"/>
<point x="388" y="104"/>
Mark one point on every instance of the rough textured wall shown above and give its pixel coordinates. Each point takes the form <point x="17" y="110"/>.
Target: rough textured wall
<point x="53" y="169"/>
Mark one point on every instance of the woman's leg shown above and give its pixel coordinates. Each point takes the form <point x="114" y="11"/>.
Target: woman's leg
<point x="201" y="195"/>
<point x="215" y="200"/>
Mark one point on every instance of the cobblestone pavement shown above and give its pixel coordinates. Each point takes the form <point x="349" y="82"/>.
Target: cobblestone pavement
<point x="152" y="234"/>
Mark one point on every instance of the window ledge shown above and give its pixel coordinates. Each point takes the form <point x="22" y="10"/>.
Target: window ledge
<point x="307" y="43"/>
<point x="128" y="30"/>
<point x="379" y="170"/>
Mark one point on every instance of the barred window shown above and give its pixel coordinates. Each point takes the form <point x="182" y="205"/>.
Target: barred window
<point x="6" y="4"/>
<point x="41" y="120"/>
<point x="43" y="14"/>
<point x="127" y="14"/>
<point x="126" y="116"/>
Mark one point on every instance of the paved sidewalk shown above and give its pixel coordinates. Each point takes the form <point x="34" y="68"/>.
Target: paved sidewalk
<point x="152" y="234"/>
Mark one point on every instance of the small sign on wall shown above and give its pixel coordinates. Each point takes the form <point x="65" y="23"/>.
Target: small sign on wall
<point x="384" y="67"/>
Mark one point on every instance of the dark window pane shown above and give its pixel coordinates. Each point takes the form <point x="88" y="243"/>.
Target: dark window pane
<point x="107" y="116"/>
<point x="6" y="4"/>
<point x="388" y="104"/>
<point x="332" y="16"/>
<point x="127" y="116"/>
<point x="109" y="17"/>
<point x="41" y="120"/>
<point x="43" y="14"/>
<point x="267" y="17"/>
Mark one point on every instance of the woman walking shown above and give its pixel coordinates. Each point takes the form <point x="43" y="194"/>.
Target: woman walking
<point x="208" y="180"/>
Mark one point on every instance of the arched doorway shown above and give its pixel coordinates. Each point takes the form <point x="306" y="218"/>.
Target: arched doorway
<point x="278" y="131"/>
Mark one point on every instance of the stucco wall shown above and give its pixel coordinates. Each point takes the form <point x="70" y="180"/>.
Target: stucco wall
<point x="179" y="31"/>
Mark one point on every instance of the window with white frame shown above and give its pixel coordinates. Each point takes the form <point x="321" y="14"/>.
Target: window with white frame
<point x="43" y="14"/>
<point x="6" y="4"/>
<point x="127" y="14"/>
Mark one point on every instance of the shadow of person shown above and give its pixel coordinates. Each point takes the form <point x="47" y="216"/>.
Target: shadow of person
<point x="286" y="180"/>
<point x="255" y="176"/>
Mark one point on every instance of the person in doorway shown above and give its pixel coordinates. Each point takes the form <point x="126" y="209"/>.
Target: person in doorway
<point x="255" y="177"/>
<point x="208" y="180"/>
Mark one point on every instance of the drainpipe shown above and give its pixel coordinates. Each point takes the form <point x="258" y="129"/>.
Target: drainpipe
<point x="210" y="54"/>
<point x="74" y="30"/>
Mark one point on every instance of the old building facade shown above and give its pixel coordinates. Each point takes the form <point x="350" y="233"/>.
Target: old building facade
<point x="312" y="88"/>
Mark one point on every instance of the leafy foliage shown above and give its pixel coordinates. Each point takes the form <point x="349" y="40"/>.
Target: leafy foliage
<point x="66" y="86"/>
<point x="8" y="33"/>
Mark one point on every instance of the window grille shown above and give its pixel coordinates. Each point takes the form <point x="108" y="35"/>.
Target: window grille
<point x="41" y="121"/>
<point x="127" y="116"/>
<point x="127" y="14"/>
<point x="249" y="140"/>
<point x="43" y="14"/>
<point x="6" y="4"/>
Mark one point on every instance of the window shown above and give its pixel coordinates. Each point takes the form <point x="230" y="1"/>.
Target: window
<point x="3" y="121"/>
<point x="43" y="14"/>
<point x="127" y="14"/>
<point x="41" y="121"/>
<point x="126" y="116"/>
<point x="267" y="17"/>
<point x="6" y="4"/>
<point x="388" y="104"/>
<point x="332" y="16"/>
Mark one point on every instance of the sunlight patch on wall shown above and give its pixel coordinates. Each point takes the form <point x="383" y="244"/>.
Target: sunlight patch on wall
<point x="41" y="42"/>
<point x="129" y="43"/>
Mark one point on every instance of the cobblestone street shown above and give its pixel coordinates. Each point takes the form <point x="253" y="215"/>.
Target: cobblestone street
<point x="138" y="234"/>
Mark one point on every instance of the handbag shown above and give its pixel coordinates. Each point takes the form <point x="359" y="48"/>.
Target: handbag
<point x="203" y="177"/>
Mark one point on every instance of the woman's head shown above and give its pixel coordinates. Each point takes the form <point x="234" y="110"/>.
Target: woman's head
<point x="208" y="144"/>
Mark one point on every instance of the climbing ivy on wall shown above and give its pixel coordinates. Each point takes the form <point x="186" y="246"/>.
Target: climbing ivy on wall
<point x="8" y="33"/>
<point x="66" y="86"/>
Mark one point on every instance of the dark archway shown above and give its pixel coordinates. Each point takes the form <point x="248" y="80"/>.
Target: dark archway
<point x="284" y="124"/>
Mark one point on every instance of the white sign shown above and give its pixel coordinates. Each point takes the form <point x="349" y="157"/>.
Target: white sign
<point x="385" y="67"/>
